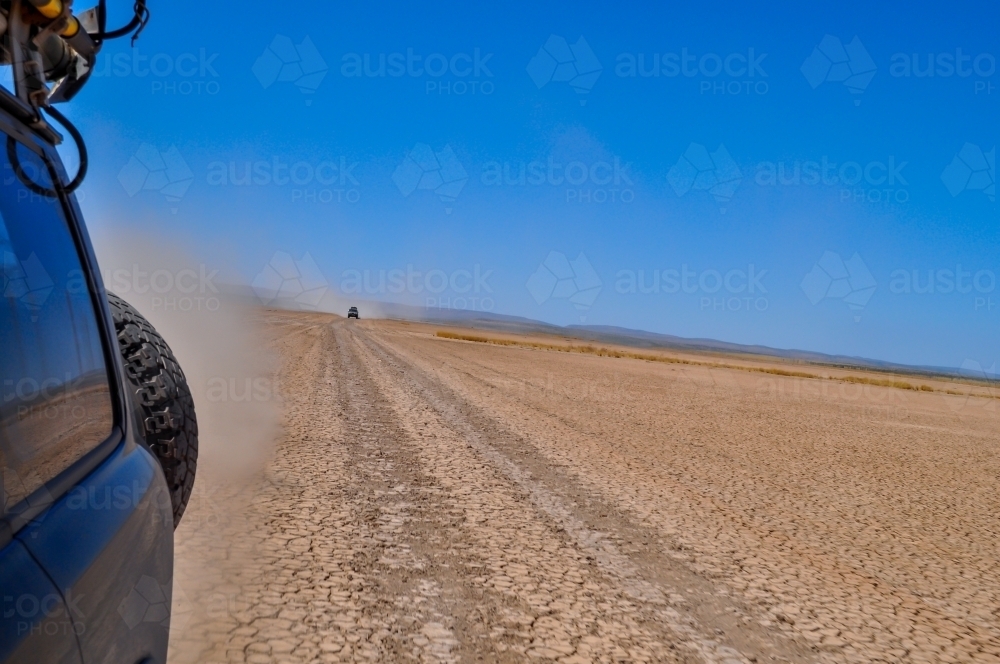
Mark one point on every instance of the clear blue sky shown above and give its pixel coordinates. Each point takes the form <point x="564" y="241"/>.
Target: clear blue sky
<point x="220" y="89"/>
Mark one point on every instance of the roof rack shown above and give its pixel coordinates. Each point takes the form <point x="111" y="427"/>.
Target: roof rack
<point x="52" y="53"/>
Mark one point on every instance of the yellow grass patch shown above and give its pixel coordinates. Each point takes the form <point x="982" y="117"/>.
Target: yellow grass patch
<point x="603" y="351"/>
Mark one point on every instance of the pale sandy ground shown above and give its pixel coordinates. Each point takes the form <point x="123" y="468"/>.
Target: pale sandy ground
<point x="440" y="500"/>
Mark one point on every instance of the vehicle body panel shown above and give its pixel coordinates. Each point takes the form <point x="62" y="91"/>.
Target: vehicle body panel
<point x="108" y="544"/>
<point x="36" y="625"/>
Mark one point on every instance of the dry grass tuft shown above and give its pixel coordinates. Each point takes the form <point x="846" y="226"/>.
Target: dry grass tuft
<point x="885" y="382"/>
<point x="606" y="352"/>
<point x="651" y="357"/>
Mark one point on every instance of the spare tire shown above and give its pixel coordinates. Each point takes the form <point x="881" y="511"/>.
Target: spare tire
<point x="162" y="398"/>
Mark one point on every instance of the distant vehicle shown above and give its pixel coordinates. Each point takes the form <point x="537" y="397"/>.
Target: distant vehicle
<point x="353" y="313"/>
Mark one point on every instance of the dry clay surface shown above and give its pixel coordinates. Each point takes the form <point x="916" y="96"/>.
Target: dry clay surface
<point x="437" y="500"/>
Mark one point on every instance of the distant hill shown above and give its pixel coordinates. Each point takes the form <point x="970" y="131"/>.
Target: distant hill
<point x="610" y="334"/>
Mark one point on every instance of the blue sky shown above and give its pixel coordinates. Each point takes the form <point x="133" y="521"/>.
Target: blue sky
<point x="678" y="171"/>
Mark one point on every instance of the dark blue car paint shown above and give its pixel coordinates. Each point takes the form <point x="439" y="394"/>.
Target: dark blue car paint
<point x="36" y="625"/>
<point x="97" y="543"/>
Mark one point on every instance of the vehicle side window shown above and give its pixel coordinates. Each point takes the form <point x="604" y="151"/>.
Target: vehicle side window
<point x="55" y="399"/>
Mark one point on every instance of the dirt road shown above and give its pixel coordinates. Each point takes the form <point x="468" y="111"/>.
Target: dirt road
<point x="439" y="500"/>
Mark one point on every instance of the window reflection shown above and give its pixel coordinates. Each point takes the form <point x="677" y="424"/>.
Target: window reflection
<point x="55" y="402"/>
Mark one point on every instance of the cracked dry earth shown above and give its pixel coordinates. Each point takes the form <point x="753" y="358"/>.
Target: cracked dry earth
<point x="435" y="500"/>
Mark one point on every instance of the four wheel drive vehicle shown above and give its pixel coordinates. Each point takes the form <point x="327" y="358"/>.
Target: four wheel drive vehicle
<point x="98" y="438"/>
<point x="353" y="313"/>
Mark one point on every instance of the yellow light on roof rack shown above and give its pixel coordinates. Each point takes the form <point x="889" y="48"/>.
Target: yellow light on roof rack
<point x="72" y="27"/>
<point x="53" y="9"/>
<point x="48" y="8"/>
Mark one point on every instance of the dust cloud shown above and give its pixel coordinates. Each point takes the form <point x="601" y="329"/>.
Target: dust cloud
<point x="214" y="330"/>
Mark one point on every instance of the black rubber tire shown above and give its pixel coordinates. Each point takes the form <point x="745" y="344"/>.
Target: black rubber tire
<point x="162" y="398"/>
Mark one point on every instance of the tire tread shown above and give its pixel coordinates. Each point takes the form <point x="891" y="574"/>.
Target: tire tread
<point x="160" y="392"/>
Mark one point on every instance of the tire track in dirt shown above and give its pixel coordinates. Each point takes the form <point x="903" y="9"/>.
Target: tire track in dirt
<point x="538" y="594"/>
<point x="664" y="605"/>
<point x="352" y="510"/>
<point x="782" y="515"/>
<point x="329" y="560"/>
<point x="377" y="535"/>
<point x="434" y="502"/>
